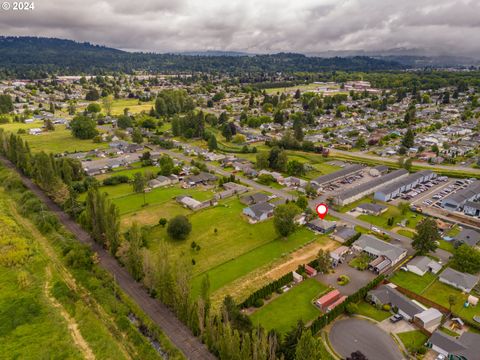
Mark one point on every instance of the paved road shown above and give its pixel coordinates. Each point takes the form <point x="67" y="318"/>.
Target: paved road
<point x="396" y="238"/>
<point x="350" y="335"/>
<point x="176" y="331"/>
<point x="394" y="160"/>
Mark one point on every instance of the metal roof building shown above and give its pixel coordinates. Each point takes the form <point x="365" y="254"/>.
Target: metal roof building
<point x="394" y="189"/>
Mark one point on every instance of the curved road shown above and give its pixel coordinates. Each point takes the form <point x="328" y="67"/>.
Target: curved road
<point x="176" y="331"/>
<point x="350" y="335"/>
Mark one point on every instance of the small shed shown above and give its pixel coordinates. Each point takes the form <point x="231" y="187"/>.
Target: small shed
<point x="472" y="300"/>
<point x="297" y="277"/>
<point x="310" y="270"/>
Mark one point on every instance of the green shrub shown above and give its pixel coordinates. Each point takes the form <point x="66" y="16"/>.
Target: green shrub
<point x="258" y="303"/>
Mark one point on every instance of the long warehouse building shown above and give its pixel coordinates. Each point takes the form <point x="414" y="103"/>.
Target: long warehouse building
<point x="351" y="195"/>
<point x="346" y="171"/>
<point x="391" y="191"/>
<point x="457" y="200"/>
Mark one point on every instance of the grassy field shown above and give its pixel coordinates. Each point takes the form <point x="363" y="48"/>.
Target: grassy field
<point x="446" y="245"/>
<point x="371" y="311"/>
<point x="440" y="293"/>
<point x="231" y="270"/>
<point x="58" y="141"/>
<point x="407" y="233"/>
<point x="413" y="339"/>
<point x="413" y="282"/>
<point x="411" y="218"/>
<point x="32" y="319"/>
<point x="296" y="304"/>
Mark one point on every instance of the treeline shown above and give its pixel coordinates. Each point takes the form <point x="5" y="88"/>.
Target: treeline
<point x="267" y="290"/>
<point x="31" y="57"/>
<point x="60" y="178"/>
<point x="79" y="259"/>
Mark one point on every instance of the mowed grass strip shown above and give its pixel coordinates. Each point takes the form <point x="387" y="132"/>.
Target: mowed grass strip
<point x="244" y="264"/>
<point x="233" y="238"/>
<point x="413" y="282"/>
<point x="371" y="311"/>
<point x="296" y="304"/>
<point x="413" y="339"/>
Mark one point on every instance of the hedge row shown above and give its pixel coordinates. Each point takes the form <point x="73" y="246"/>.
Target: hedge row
<point x="327" y="318"/>
<point x="267" y="290"/>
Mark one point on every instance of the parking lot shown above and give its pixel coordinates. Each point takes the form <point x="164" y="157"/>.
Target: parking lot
<point x="434" y="197"/>
<point x="421" y="191"/>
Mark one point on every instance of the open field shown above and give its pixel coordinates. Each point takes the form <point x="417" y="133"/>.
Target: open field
<point x="413" y="282"/>
<point x="58" y="141"/>
<point x="39" y="313"/>
<point x="285" y="310"/>
<point x="411" y="219"/>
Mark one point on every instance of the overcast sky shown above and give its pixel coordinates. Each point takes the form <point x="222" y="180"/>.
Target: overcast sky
<point x="257" y="26"/>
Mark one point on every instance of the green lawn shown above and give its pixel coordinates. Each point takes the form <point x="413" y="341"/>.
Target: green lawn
<point x="446" y="245"/>
<point x="411" y="281"/>
<point x="130" y="172"/>
<point x="407" y="233"/>
<point x="371" y="311"/>
<point x="58" y="141"/>
<point x="284" y="312"/>
<point x="440" y="293"/>
<point x="231" y="270"/>
<point x="449" y="332"/>
<point x="382" y="220"/>
<point x="413" y="339"/>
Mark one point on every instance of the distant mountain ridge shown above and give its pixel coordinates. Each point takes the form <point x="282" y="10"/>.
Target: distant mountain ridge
<point x="32" y="57"/>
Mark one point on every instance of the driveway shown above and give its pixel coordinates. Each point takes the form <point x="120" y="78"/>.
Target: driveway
<point x="350" y="335"/>
<point x="358" y="279"/>
<point x="395" y="328"/>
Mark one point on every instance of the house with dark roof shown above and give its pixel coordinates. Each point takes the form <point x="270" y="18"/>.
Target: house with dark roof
<point x="259" y="212"/>
<point x="322" y="226"/>
<point x="465" y="347"/>
<point x="256" y="198"/>
<point x="467" y="236"/>
<point x="394" y="189"/>
<point x="386" y="294"/>
<point x="344" y="233"/>
<point x="459" y="280"/>
<point x="372" y="209"/>
<point x="202" y="178"/>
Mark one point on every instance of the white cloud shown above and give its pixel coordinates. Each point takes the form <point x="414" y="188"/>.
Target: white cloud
<point x="451" y="26"/>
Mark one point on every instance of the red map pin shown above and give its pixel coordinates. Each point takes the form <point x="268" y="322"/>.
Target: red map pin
<point x="322" y="210"/>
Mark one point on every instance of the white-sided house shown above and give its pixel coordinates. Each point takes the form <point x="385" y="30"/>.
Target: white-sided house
<point x="376" y="247"/>
<point x="159" y="181"/>
<point x="459" y="280"/>
<point x="387" y="294"/>
<point x="259" y="212"/>
<point x="465" y="347"/>
<point x="423" y="264"/>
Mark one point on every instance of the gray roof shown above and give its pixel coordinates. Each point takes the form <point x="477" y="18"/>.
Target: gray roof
<point x="379" y="247"/>
<point x="468" y="193"/>
<point x="429" y="315"/>
<point x="202" y="176"/>
<point x="261" y="208"/>
<point x="255" y="198"/>
<point x="372" y="207"/>
<point x="467" y="345"/>
<point x="371" y="185"/>
<point x="345" y="232"/>
<point x="387" y="189"/>
<point x="388" y="295"/>
<point x="424" y="263"/>
<point x="347" y="170"/>
<point x="464" y="280"/>
<point x="469" y="237"/>
<point x="471" y="204"/>
<point x="323" y="224"/>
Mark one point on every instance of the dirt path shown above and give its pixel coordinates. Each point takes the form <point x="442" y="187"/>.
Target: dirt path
<point x="176" y="331"/>
<point x="266" y="274"/>
<point x="67" y="277"/>
<point x="72" y="325"/>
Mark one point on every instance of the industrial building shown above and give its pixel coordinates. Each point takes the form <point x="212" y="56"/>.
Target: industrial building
<point x="346" y="171"/>
<point x="394" y="189"/>
<point x="356" y="193"/>
<point x="457" y="200"/>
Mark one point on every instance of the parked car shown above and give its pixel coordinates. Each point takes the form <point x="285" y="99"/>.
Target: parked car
<point x="396" y="318"/>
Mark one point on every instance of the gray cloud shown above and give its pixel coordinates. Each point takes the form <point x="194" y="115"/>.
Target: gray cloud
<point x="309" y="26"/>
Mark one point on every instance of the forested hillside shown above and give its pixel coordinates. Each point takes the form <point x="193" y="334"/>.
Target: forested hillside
<point x="30" y="57"/>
